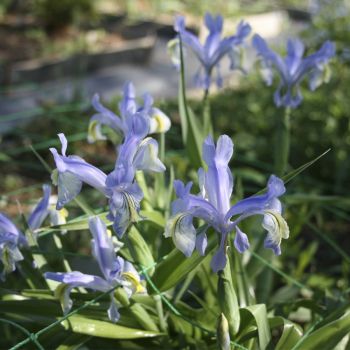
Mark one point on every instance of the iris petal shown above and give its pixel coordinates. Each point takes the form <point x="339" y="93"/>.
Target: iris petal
<point x="201" y="243"/>
<point x="218" y="262"/>
<point x="241" y="241"/>
<point x="124" y="207"/>
<point x="69" y="186"/>
<point x="146" y="157"/>
<point x="41" y="210"/>
<point x="113" y="313"/>
<point x="181" y="229"/>
<point x="103" y="249"/>
<point x="293" y="69"/>
<point x="214" y="48"/>
<point x="277" y="229"/>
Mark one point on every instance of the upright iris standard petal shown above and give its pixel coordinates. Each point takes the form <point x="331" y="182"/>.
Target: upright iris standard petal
<point x="214" y="48"/>
<point x="293" y="68"/>
<point x="212" y="205"/>
<point x="128" y="105"/>
<point x="218" y="178"/>
<point x="41" y="210"/>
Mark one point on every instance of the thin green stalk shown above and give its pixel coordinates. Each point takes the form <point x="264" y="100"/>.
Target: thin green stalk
<point x="176" y="312"/>
<point x="192" y="132"/>
<point x="282" y="143"/>
<point x="160" y="312"/>
<point x="184" y="286"/>
<point x="208" y="127"/>
<point x="182" y="93"/>
<point x="242" y="283"/>
<point x="211" y="285"/>
<point x="280" y="272"/>
<point x="162" y="146"/>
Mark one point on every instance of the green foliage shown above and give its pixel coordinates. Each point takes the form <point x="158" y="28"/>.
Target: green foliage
<point x="307" y="303"/>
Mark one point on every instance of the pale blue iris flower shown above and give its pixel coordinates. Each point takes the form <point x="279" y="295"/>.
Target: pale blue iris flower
<point x="158" y="121"/>
<point x="137" y="152"/>
<point x="214" y="49"/>
<point x="11" y="238"/>
<point x="213" y="206"/>
<point x="293" y="69"/>
<point x="10" y="241"/>
<point x="71" y="172"/>
<point x="116" y="272"/>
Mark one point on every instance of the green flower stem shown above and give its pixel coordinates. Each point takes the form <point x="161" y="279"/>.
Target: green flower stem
<point x="162" y="146"/>
<point x="245" y="298"/>
<point x="160" y="312"/>
<point x="282" y="143"/>
<point x="207" y="124"/>
<point x="184" y="286"/>
<point x="227" y="299"/>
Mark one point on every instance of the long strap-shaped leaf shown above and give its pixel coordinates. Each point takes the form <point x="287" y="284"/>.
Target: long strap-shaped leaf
<point x="328" y="336"/>
<point x="176" y="266"/>
<point x="192" y="135"/>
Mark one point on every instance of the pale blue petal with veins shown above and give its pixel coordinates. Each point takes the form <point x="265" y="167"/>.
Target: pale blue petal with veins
<point x="293" y="68"/>
<point x="214" y="49"/>
<point x="115" y="270"/>
<point x="213" y="206"/>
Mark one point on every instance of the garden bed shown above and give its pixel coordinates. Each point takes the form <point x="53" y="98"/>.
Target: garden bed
<point x="35" y="57"/>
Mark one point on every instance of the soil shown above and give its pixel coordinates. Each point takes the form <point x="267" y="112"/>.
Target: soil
<point x="15" y="46"/>
<point x="20" y="41"/>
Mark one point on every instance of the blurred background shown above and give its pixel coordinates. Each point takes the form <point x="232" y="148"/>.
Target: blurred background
<point x="54" y="55"/>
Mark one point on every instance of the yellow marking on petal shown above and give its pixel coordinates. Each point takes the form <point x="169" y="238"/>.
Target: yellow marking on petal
<point x="281" y="229"/>
<point x="109" y="233"/>
<point x="133" y="214"/>
<point x="132" y="278"/>
<point x="63" y="214"/>
<point x="171" y="225"/>
<point x="94" y="133"/>
<point x="161" y="123"/>
<point x="6" y="260"/>
<point x="62" y="297"/>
